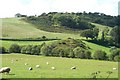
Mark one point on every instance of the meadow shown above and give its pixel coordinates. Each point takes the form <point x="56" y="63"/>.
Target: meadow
<point x="16" y="28"/>
<point x="62" y="67"/>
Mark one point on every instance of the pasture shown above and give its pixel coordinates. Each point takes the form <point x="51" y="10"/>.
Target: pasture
<point x="7" y="44"/>
<point x="16" y="28"/>
<point x="62" y="67"/>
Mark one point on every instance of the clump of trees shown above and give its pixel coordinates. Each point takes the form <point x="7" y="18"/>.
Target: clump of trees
<point x="100" y="55"/>
<point x="14" y="48"/>
<point x="90" y="33"/>
<point x="69" y="48"/>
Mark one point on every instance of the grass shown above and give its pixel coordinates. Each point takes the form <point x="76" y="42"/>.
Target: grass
<point x="7" y="44"/>
<point x="62" y="65"/>
<point x="16" y="28"/>
<point x="95" y="47"/>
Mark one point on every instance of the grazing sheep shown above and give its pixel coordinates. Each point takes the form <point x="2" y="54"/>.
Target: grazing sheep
<point x="114" y="68"/>
<point x="5" y="70"/>
<point x="53" y="68"/>
<point x="47" y="63"/>
<point x="26" y="63"/>
<point x="30" y="68"/>
<point x="37" y="66"/>
<point x="73" y="67"/>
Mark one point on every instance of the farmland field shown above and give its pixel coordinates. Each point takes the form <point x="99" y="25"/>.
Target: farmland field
<point x="16" y="28"/>
<point x="62" y="65"/>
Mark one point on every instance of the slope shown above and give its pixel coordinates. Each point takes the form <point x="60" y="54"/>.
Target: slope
<point x="16" y="28"/>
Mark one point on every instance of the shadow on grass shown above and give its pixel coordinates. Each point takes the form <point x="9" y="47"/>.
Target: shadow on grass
<point x="99" y="42"/>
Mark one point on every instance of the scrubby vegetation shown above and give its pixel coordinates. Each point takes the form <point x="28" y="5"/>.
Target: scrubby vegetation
<point x="69" y="48"/>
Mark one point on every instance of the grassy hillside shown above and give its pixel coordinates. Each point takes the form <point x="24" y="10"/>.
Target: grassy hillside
<point x="16" y="28"/>
<point x="62" y="65"/>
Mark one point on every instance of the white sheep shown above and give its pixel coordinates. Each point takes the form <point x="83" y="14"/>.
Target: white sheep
<point x="26" y="63"/>
<point x="53" y="68"/>
<point x="114" y="68"/>
<point x="37" y="66"/>
<point x="47" y="63"/>
<point x="30" y="68"/>
<point x="5" y="70"/>
<point x="73" y="67"/>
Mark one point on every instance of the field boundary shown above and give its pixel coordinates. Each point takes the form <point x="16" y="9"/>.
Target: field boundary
<point x="28" y="39"/>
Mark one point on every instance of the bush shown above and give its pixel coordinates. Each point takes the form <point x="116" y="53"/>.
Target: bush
<point x="79" y="52"/>
<point x="99" y="55"/>
<point x="117" y="58"/>
<point x="88" y="54"/>
<point x="2" y="50"/>
<point x="14" y="48"/>
<point x="46" y="50"/>
<point x="114" y="53"/>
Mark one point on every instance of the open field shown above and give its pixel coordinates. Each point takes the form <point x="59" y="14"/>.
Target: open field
<point x="62" y="65"/>
<point x="7" y="44"/>
<point x="16" y="28"/>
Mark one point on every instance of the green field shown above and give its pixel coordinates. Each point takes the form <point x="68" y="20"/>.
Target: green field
<point x="16" y="28"/>
<point x="7" y="44"/>
<point x="62" y="65"/>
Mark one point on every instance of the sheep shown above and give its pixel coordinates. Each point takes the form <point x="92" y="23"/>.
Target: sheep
<point x="53" y="68"/>
<point x="114" y="68"/>
<point x="47" y="63"/>
<point x="37" y="66"/>
<point x="5" y="70"/>
<point x="30" y="68"/>
<point x="73" y="67"/>
<point x="26" y="63"/>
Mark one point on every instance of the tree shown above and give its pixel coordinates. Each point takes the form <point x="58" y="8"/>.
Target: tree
<point x="115" y="33"/>
<point x="2" y="50"/>
<point x="88" y="34"/>
<point x="114" y="53"/>
<point x="14" y="48"/>
<point x="102" y="37"/>
<point x="96" y="32"/>
<point x="46" y="50"/>
<point x="99" y="55"/>
<point x="79" y="52"/>
<point x="87" y="54"/>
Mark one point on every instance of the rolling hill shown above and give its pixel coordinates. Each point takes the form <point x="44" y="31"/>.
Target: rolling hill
<point x="16" y="28"/>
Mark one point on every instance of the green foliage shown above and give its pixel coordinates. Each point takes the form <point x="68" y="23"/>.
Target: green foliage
<point x="2" y="50"/>
<point x="114" y="53"/>
<point x="117" y="58"/>
<point x="31" y="49"/>
<point x="88" y="54"/>
<point x="79" y="52"/>
<point x="115" y="35"/>
<point x="88" y="34"/>
<point x="46" y="50"/>
<point x="14" y="48"/>
<point x="100" y="55"/>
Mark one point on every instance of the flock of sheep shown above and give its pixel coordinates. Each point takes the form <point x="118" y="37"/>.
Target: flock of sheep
<point x="8" y="69"/>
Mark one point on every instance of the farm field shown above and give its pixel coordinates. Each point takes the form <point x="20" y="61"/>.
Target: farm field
<point x="7" y="44"/>
<point x="62" y="65"/>
<point x="16" y="28"/>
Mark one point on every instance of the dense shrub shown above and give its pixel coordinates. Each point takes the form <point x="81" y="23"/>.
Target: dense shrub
<point x="31" y="49"/>
<point x="114" y="53"/>
<point x="117" y="58"/>
<point x="46" y="50"/>
<point x="14" y="48"/>
<point x="99" y="55"/>
<point x="2" y="50"/>
<point x="79" y="52"/>
<point x="87" y="54"/>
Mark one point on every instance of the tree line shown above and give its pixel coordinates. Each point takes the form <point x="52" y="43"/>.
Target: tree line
<point x="69" y="48"/>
